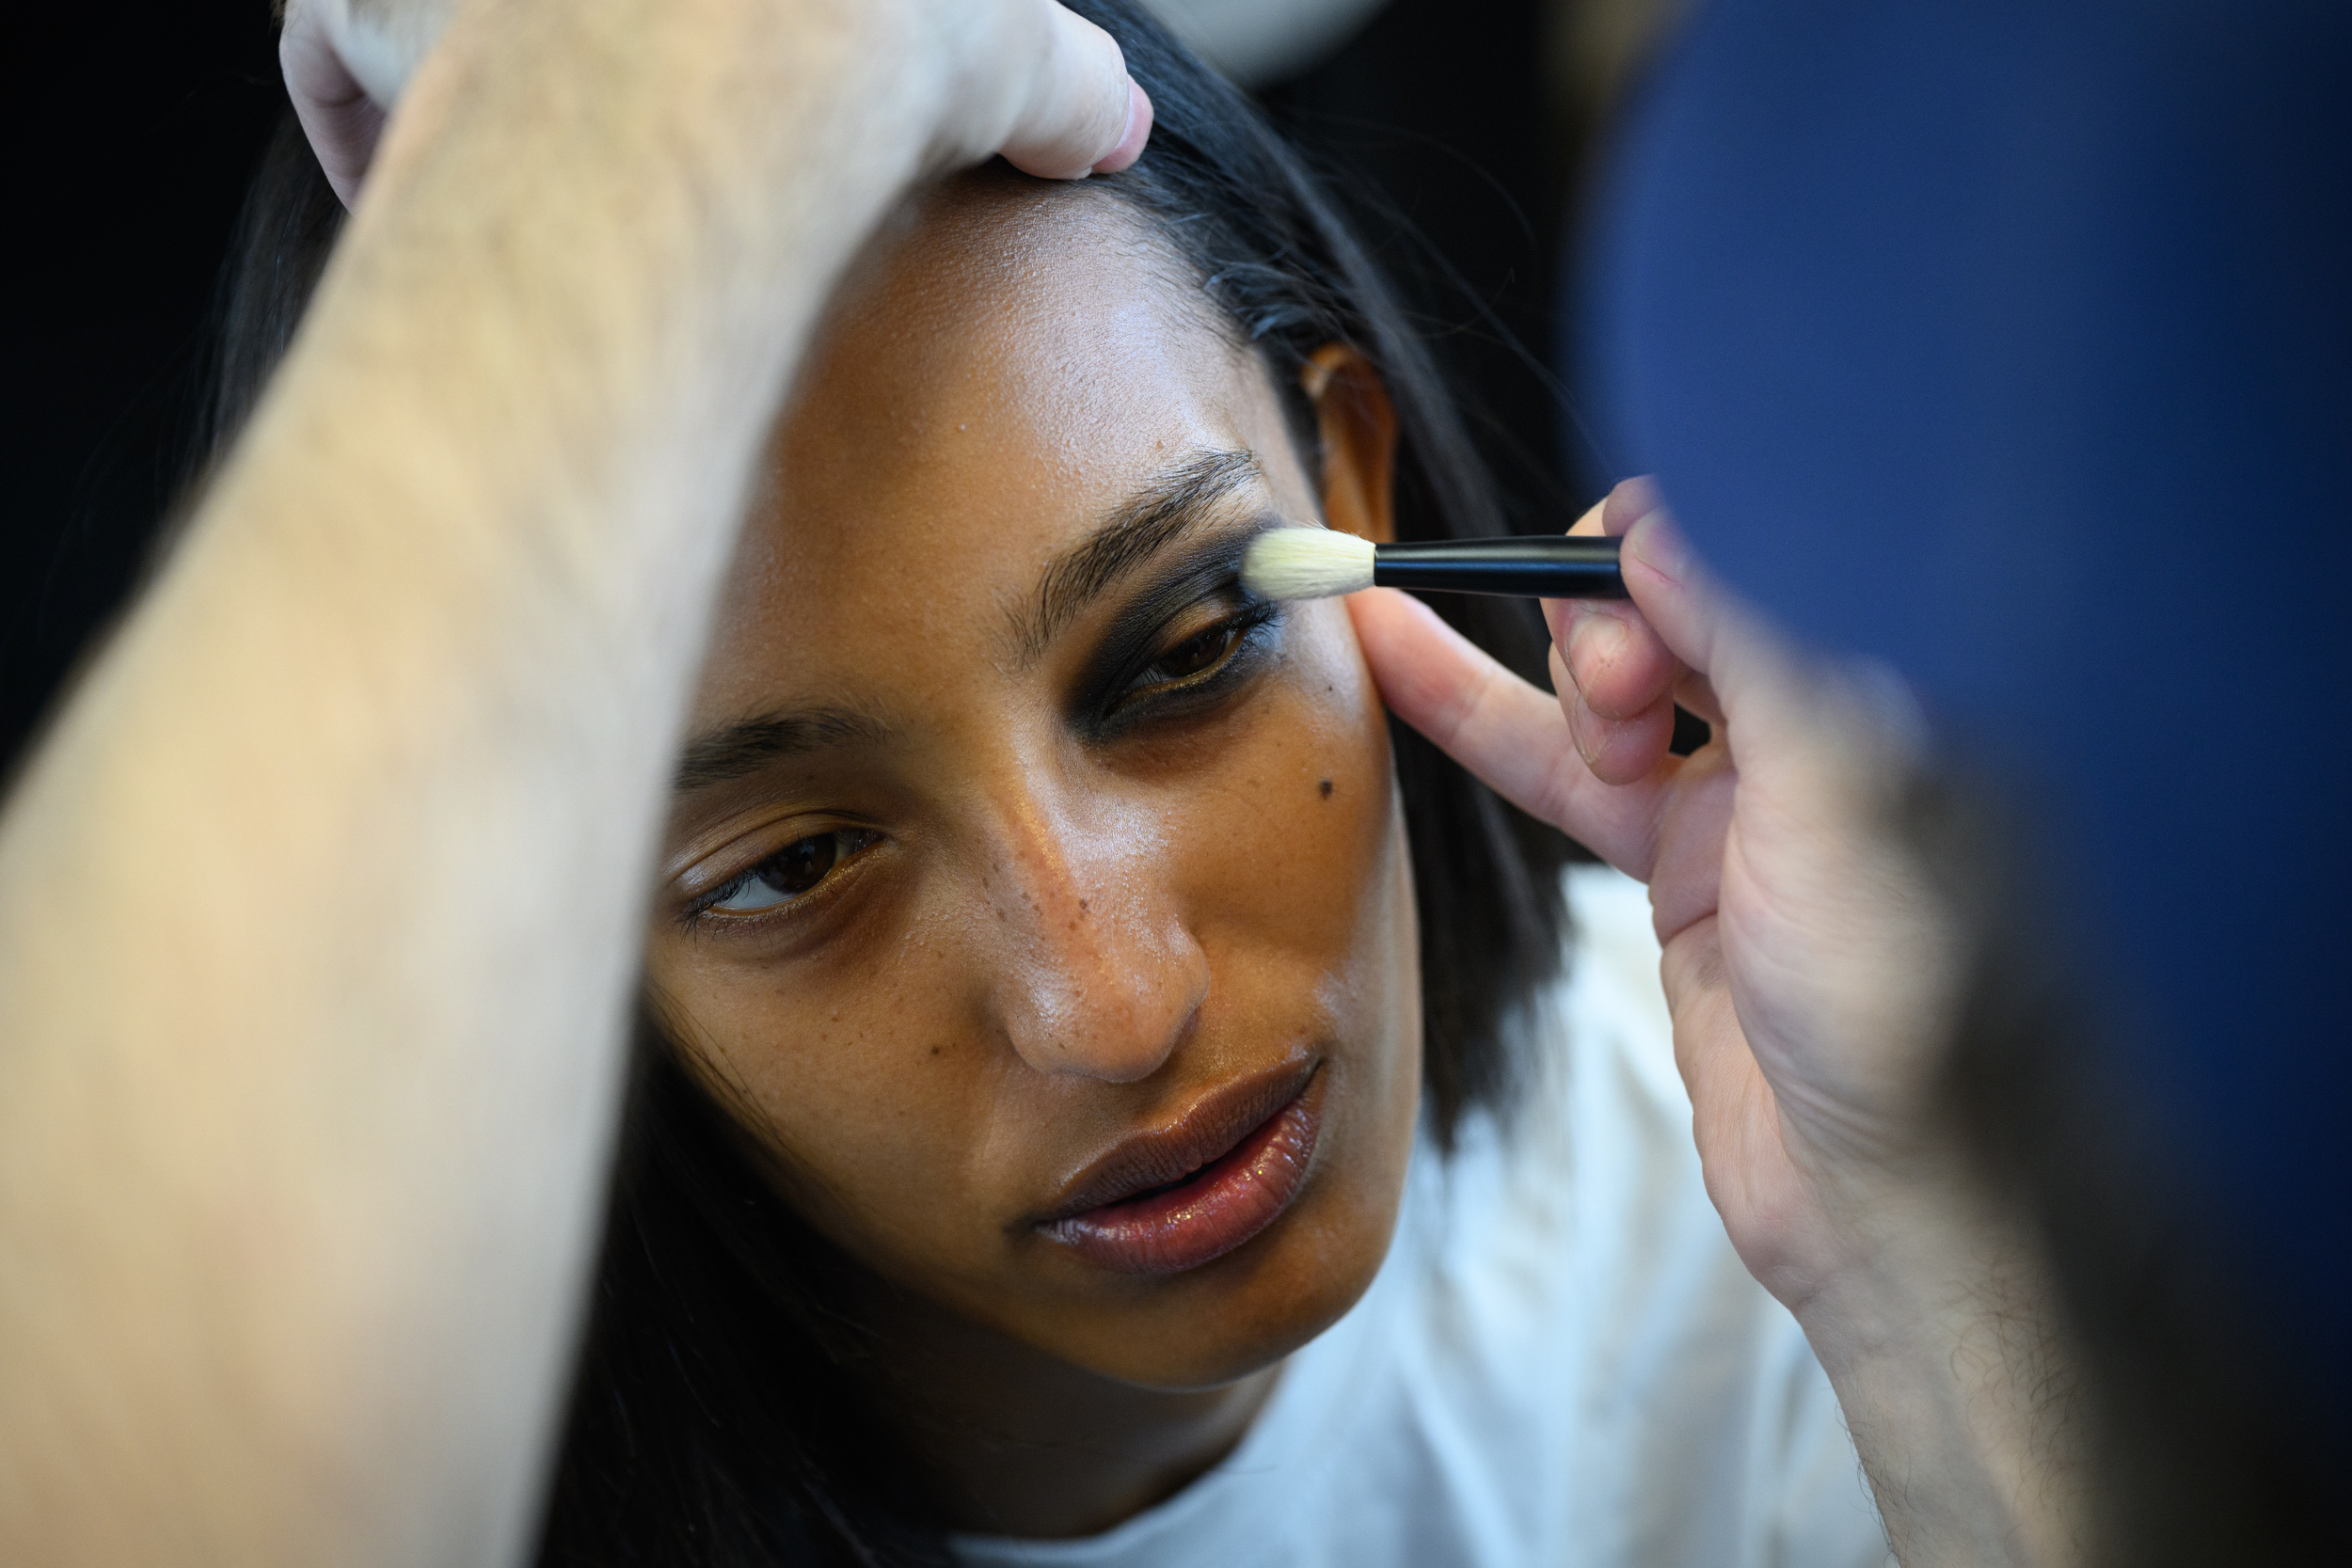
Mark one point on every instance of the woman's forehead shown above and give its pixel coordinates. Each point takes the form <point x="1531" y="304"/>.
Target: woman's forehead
<point x="1000" y="375"/>
<point x="1002" y="338"/>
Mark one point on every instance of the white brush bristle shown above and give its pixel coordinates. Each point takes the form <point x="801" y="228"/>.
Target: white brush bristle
<point x="1306" y="563"/>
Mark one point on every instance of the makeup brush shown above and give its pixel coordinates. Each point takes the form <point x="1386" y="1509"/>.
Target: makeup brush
<point x="1317" y="563"/>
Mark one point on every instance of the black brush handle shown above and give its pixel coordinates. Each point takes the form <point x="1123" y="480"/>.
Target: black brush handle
<point x="1537" y="567"/>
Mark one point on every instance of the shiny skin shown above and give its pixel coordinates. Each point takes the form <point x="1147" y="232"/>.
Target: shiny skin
<point x="1049" y="937"/>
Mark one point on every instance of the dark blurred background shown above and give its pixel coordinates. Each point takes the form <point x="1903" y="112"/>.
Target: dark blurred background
<point x="131" y="132"/>
<point x="1465" y="124"/>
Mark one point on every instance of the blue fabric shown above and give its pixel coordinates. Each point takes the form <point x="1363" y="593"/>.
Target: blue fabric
<point x="2012" y="342"/>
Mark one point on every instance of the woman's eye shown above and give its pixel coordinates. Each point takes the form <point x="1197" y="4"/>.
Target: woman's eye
<point x="791" y="871"/>
<point x="1194" y="655"/>
<point x="1194" y="675"/>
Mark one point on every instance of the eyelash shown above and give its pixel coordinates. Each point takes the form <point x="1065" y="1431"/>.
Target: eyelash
<point x="703" y="909"/>
<point x="1245" y="631"/>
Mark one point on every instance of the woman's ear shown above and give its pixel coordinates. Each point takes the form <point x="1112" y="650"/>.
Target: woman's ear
<point x="1359" y="432"/>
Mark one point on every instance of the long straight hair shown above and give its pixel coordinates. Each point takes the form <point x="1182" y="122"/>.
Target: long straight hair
<point x="723" y="1415"/>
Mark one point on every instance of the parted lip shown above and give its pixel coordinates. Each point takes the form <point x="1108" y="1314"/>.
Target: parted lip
<point x="1209" y="1129"/>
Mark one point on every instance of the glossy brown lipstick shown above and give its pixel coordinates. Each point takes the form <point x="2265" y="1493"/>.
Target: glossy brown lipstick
<point x="1166" y="1201"/>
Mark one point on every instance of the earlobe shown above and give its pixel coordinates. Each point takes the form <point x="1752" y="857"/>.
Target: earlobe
<point x="1357" y="428"/>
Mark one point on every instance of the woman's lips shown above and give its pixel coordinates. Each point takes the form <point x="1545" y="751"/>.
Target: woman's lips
<point x="1230" y="1182"/>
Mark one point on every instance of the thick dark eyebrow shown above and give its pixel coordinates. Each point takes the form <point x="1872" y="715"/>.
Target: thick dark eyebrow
<point x="730" y="752"/>
<point x="1147" y="523"/>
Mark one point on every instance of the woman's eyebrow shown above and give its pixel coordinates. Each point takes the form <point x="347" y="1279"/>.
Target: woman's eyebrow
<point x="729" y="751"/>
<point x="1171" y="504"/>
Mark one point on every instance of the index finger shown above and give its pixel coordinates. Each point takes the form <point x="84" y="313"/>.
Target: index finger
<point x="1504" y="729"/>
<point x="1703" y="625"/>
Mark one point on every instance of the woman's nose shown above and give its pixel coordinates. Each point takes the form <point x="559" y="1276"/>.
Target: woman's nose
<point x="1096" y="971"/>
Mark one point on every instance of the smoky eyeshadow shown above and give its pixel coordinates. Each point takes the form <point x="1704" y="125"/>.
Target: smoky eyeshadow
<point x="1137" y="636"/>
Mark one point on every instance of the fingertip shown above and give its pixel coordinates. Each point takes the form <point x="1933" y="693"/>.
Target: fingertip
<point x="1395" y="629"/>
<point x="1560" y="615"/>
<point x="1388" y="606"/>
<point x="1373" y="616"/>
<point x="1138" y="131"/>
<point x="1618" y="662"/>
<point x="1597" y="645"/>
<point x="1624" y="751"/>
<point x="1559" y="619"/>
<point x="1654" y="541"/>
<point x="339" y="120"/>
<point x="1628" y="503"/>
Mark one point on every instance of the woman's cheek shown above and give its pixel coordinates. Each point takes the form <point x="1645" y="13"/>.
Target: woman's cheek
<point x="853" y="1075"/>
<point x="1316" y="781"/>
<point x="1296" y="882"/>
<point x="1360" y="874"/>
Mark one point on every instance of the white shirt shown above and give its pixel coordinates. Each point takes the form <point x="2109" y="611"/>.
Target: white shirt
<point x="1561" y="1364"/>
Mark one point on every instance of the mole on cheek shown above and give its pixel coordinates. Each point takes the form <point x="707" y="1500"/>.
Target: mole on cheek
<point x="1326" y="787"/>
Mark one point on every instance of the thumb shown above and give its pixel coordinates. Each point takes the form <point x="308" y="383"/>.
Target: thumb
<point x="345" y="70"/>
<point x="1793" y="718"/>
<point x="1759" y="679"/>
<point x="1083" y="114"/>
<point x="340" y="120"/>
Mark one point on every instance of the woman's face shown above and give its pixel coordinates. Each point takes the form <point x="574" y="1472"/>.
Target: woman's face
<point x="1039" y="900"/>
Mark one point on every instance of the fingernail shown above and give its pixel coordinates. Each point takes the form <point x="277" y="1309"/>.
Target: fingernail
<point x="1587" y="744"/>
<point x="1138" y="131"/>
<point x="1598" y="641"/>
